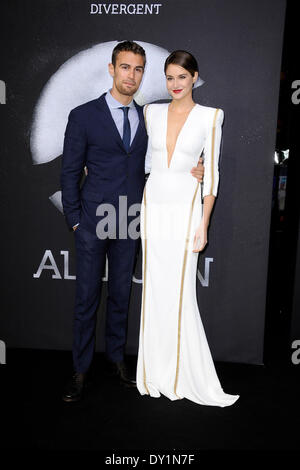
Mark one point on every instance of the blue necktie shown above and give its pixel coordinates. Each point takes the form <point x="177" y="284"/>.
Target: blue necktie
<point x="126" y="129"/>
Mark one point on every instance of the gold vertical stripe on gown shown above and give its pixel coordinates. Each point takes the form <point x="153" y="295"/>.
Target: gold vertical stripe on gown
<point x="144" y="286"/>
<point x="181" y="288"/>
<point x="145" y="116"/>
<point x="213" y="152"/>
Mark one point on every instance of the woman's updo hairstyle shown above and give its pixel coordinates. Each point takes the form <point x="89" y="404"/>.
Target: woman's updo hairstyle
<point x="184" y="59"/>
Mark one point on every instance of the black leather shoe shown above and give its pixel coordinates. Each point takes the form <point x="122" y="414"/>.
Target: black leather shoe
<point x="119" y="369"/>
<point x="74" y="389"/>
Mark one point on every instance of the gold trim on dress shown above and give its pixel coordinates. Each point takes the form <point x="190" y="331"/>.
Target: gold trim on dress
<point x="145" y="116"/>
<point x="181" y="289"/>
<point x="213" y="152"/>
<point x="144" y="287"/>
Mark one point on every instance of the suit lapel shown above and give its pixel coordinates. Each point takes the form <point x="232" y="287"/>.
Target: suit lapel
<point x="140" y="124"/>
<point x="108" y="119"/>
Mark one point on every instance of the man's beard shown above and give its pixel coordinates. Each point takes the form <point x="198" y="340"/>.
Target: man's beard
<point x="125" y="91"/>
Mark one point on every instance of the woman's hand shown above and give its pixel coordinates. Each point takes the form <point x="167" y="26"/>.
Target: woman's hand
<point x="198" y="171"/>
<point x="200" y="238"/>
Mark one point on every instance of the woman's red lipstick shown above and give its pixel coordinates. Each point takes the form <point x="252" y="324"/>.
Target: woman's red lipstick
<point x="177" y="91"/>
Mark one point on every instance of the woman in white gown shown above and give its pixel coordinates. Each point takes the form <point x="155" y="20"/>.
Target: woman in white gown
<point x="174" y="358"/>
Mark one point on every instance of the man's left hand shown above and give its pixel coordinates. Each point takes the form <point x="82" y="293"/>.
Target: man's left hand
<point x="198" y="171"/>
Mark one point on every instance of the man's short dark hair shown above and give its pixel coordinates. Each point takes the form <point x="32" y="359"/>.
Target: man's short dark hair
<point x="128" y="46"/>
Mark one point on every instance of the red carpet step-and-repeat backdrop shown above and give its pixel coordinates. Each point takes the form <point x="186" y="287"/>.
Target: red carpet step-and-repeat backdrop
<point x="54" y="56"/>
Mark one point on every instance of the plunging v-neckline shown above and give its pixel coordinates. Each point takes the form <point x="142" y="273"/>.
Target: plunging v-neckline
<point x="169" y="164"/>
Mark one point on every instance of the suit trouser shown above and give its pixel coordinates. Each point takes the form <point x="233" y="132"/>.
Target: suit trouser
<point x="90" y="263"/>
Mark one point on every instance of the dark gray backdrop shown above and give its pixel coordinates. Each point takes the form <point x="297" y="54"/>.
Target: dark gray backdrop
<point x="238" y="47"/>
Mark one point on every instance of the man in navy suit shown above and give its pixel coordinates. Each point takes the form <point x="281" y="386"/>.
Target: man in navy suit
<point x="108" y="136"/>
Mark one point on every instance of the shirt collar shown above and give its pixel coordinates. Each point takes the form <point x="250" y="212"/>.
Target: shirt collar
<point x="113" y="103"/>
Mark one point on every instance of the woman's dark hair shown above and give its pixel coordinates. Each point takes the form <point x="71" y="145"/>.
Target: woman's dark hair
<point x="128" y="46"/>
<point x="184" y="59"/>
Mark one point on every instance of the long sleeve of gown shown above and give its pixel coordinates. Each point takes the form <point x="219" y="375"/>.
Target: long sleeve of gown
<point x="211" y="154"/>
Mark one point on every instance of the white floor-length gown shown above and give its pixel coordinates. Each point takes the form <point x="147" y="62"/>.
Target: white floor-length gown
<point x="174" y="358"/>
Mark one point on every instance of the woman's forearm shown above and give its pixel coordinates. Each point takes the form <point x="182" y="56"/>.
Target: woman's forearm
<point x="208" y="205"/>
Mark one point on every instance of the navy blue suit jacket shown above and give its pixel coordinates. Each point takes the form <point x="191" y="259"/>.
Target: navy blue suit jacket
<point x="92" y="139"/>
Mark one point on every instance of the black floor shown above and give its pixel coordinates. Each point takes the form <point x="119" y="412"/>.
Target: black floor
<point x="111" y="417"/>
<point x="115" y="420"/>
